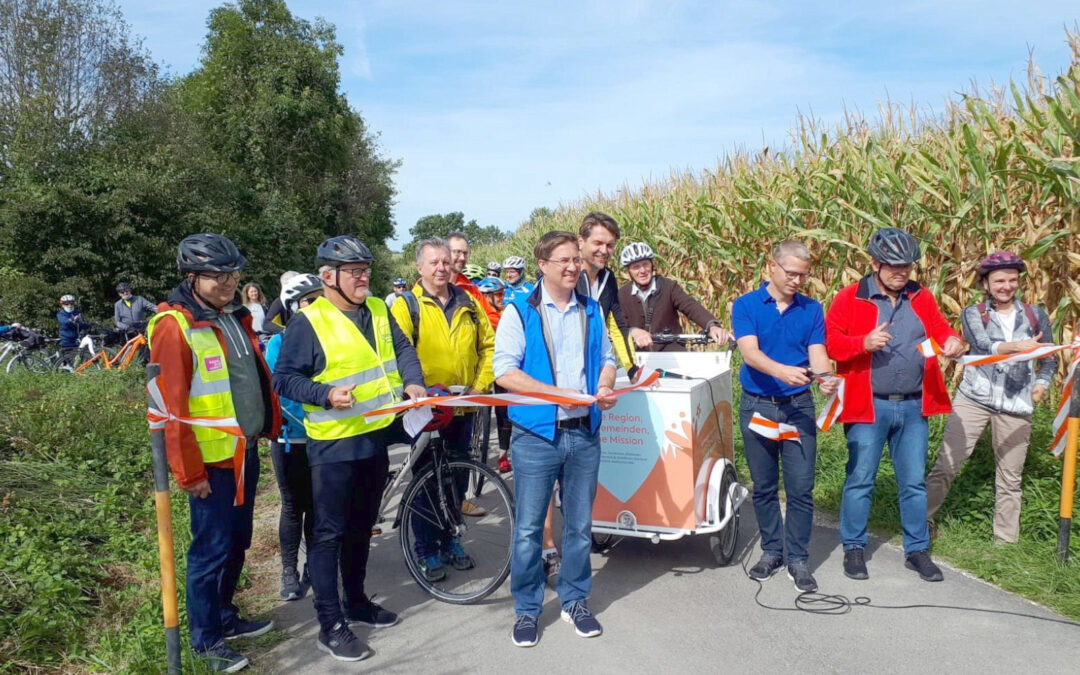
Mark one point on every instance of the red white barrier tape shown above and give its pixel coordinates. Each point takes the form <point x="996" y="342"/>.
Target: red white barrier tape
<point x="648" y="379"/>
<point x="1057" y="445"/>
<point x="157" y="415"/>
<point x="833" y="407"/>
<point x="775" y="431"/>
<point x="929" y="347"/>
<point x="1017" y="357"/>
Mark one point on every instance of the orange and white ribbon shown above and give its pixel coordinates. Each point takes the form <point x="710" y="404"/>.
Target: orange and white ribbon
<point x="648" y="379"/>
<point x="775" y="431"/>
<point x="158" y="416"/>
<point x="1057" y="445"/>
<point x="929" y="347"/>
<point x="833" y="407"/>
<point x="1017" y="357"/>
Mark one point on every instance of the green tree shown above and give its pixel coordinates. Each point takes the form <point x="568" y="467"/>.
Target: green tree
<point x="440" y="225"/>
<point x="266" y="95"/>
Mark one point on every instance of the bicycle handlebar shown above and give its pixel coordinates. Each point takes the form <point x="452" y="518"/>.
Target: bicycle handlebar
<point x="667" y="338"/>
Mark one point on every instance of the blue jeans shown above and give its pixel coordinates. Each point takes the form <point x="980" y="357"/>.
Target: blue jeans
<point x="902" y="425"/>
<point x="764" y="457"/>
<point x="574" y="459"/>
<point x="220" y="537"/>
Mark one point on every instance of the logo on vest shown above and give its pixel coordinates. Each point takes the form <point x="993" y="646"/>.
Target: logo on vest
<point x="212" y="363"/>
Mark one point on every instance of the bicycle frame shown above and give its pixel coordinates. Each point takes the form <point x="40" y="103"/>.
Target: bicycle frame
<point x="126" y="354"/>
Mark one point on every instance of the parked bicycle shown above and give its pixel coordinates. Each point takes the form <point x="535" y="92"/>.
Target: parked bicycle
<point x="432" y="502"/>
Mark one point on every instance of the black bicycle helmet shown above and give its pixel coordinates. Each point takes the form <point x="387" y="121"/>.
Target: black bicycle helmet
<point x="893" y="246"/>
<point x="123" y="287"/>
<point x="209" y="252"/>
<point x="343" y="249"/>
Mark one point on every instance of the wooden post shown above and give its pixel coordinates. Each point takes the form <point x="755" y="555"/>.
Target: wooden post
<point x="166" y="553"/>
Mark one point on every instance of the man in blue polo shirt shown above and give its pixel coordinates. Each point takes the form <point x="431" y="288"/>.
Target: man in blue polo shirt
<point x="781" y="335"/>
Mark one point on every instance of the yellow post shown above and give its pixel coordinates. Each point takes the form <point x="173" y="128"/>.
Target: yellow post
<point x="166" y="552"/>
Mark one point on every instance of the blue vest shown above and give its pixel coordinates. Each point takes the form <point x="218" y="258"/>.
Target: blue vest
<point x="540" y="419"/>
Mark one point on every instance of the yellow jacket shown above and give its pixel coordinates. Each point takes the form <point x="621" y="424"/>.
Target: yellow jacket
<point x="624" y="355"/>
<point x="455" y="354"/>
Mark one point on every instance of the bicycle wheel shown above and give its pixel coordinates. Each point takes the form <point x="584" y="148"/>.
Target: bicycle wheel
<point x="21" y="363"/>
<point x="436" y="509"/>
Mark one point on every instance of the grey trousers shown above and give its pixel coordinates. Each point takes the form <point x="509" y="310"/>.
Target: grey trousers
<point x="1009" y="435"/>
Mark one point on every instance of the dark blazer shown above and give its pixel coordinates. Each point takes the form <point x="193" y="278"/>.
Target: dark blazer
<point x="663" y="311"/>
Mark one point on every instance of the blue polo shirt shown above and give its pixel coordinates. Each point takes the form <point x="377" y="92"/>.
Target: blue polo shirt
<point x="783" y="337"/>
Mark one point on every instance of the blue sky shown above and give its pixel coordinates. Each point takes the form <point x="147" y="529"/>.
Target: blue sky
<point x="496" y="108"/>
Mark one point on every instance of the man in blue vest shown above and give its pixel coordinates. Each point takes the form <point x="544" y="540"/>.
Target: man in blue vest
<point x="554" y="341"/>
<point x="344" y="355"/>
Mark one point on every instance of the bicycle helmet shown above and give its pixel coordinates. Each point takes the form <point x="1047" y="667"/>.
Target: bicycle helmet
<point x="123" y="287"/>
<point x="893" y="246"/>
<point x="473" y="271"/>
<point x="635" y="252"/>
<point x="495" y="267"/>
<point x="67" y="299"/>
<point x="343" y="249"/>
<point x="296" y="288"/>
<point x="514" y="262"/>
<point x="491" y="285"/>
<point x="209" y="252"/>
<point x="400" y="282"/>
<point x="442" y="416"/>
<point x="1001" y="260"/>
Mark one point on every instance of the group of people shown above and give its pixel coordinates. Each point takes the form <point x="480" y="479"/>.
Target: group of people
<point x="873" y="331"/>
<point x="344" y="352"/>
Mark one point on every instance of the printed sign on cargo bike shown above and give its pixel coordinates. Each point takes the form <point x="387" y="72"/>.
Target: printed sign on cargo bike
<point x="659" y="445"/>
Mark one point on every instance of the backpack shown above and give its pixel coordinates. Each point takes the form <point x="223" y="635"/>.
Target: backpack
<point x="414" y="313"/>
<point x="984" y="314"/>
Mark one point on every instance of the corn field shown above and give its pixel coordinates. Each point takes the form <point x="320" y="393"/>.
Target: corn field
<point x="994" y="171"/>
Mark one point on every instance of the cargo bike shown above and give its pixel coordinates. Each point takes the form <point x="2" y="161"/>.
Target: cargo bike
<point x="667" y="466"/>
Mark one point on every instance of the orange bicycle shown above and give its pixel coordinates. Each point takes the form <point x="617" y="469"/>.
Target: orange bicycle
<point x="121" y="360"/>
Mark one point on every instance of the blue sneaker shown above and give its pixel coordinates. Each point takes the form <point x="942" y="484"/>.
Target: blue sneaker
<point x="432" y="568"/>
<point x="221" y="659"/>
<point x="457" y="557"/>
<point x="525" y="633"/>
<point x="585" y="624"/>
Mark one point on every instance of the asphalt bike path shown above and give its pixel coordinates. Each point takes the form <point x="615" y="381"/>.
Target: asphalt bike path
<point x="668" y="608"/>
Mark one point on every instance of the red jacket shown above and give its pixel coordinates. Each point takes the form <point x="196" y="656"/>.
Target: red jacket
<point x="851" y="317"/>
<point x="170" y="350"/>
<point x="469" y="286"/>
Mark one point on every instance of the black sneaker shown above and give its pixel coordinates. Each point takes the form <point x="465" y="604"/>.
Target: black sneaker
<point x="552" y="564"/>
<point x="340" y="643"/>
<point x="244" y="628"/>
<point x="432" y="568"/>
<point x="221" y="659"/>
<point x="585" y="624"/>
<point x="799" y="572"/>
<point x="525" y="632"/>
<point x="291" y="588"/>
<point x="920" y="562"/>
<point x="766" y="566"/>
<point x="457" y="557"/>
<point x="369" y="613"/>
<point x="855" y="564"/>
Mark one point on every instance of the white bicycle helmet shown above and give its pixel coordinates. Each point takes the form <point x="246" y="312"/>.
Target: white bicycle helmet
<point x="493" y="266"/>
<point x="67" y="298"/>
<point x="634" y="252"/>
<point x="296" y="288"/>
<point x="514" y="262"/>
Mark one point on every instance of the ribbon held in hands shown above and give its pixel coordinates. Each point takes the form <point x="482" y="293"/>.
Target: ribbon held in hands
<point x="648" y="379"/>
<point x="775" y="431"/>
<point x="158" y="416"/>
<point x="1032" y="354"/>
<point x="1057" y="445"/>
<point x="833" y="407"/>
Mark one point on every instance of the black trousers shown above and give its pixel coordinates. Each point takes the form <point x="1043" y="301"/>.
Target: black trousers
<point x="346" y="499"/>
<point x="294" y="483"/>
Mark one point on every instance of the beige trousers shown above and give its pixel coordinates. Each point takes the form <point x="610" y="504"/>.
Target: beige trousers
<point x="1009" y="436"/>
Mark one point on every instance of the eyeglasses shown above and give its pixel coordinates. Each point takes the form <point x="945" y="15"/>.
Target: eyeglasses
<point x="356" y="272"/>
<point x="899" y="269"/>
<point x="565" y="262"/>
<point x="793" y="276"/>
<point x="221" y="277"/>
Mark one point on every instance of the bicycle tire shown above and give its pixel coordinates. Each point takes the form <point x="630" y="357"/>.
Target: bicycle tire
<point x="488" y="539"/>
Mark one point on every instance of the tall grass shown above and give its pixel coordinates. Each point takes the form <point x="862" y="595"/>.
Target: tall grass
<point x="994" y="171"/>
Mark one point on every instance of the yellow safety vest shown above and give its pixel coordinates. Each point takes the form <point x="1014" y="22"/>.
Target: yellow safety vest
<point x="209" y="394"/>
<point x="350" y="360"/>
